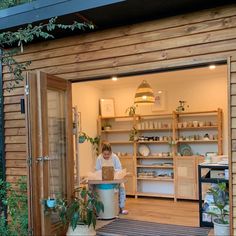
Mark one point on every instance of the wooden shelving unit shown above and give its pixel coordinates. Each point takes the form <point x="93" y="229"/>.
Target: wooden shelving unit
<point x="155" y="166"/>
<point x="153" y="157"/>
<point x="154" y="130"/>
<point x="156" y="179"/>
<point x="186" y="167"/>
<point x="154" y="195"/>
<point x="118" y="136"/>
<point x="198" y="141"/>
<point x="153" y="142"/>
<point x="116" y="131"/>
<point x="199" y="128"/>
<point x="120" y="142"/>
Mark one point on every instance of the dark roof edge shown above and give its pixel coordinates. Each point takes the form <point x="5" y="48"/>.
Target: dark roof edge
<point x="40" y="10"/>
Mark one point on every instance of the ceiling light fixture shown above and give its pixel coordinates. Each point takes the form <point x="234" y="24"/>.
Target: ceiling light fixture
<point x="212" y="67"/>
<point x="144" y="94"/>
<point x="114" y="78"/>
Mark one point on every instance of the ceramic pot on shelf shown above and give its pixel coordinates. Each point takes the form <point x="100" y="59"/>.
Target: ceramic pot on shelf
<point x="195" y="124"/>
<point x="201" y="124"/>
<point x="179" y="125"/>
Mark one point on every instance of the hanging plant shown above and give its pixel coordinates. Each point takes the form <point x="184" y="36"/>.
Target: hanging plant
<point x="94" y="141"/>
<point x="12" y="43"/>
<point x="106" y="126"/>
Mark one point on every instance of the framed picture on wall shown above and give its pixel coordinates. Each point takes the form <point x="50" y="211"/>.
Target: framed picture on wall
<point x="107" y="107"/>
<point x="160" y="101"/>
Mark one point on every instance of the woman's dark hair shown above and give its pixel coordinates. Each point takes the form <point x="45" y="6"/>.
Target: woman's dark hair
<point x="106" y="147"/>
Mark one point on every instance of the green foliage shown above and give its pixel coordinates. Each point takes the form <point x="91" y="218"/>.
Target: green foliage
<point x="81" y="209"/>
<point x="15" y="199"/>
<point x="24" y="36"/>
<point x="106" y="124"/>
<point x="94" y="141"/>
<point x="12" y="3"/>
<point x="134" y="135"/>
<point x="221" y="201"/>
<point x="131" y="110"/>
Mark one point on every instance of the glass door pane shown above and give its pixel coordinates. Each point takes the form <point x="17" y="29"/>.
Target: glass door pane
<point x="56" y="145"/>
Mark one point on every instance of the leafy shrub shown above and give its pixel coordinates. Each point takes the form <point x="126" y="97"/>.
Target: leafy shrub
<point x="12" y="3"/>
<point x="15" y="201"/>
<point x="81" y="209"/>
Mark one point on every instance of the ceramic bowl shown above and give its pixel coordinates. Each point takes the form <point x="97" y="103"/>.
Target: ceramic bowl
<point x="107" y="128"/>
<point x="190" y="124"/>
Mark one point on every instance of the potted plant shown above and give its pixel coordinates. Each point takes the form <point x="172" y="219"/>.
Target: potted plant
<point x="107" y="126"/>
<point x="134" y="135"/>
<point x="220" y="211"/>
<point x="131" y="110"/>
<point x="80" y="212"/>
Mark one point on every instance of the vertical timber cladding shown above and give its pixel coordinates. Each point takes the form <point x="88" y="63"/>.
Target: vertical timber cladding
<point x="208" y="35"/>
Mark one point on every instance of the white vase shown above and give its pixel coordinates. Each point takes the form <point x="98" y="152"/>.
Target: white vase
<point x="221" y="229"/>
<point x="81" y="230"/>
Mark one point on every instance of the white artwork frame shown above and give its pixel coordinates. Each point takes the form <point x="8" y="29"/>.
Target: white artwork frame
<point x="160" y="101"/>
<point x="107" y="107"/>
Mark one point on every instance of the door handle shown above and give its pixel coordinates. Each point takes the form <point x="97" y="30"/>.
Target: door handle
<point x="42" y="159"/>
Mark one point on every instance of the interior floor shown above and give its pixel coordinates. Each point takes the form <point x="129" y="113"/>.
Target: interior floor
<point x="164" y="211"/>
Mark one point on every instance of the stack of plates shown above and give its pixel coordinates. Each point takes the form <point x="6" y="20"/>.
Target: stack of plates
<point x="144" y="150"/>
<point x="185" y="150"/>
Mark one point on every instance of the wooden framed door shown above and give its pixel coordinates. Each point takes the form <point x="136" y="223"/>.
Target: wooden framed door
<point x="50" y="148"/>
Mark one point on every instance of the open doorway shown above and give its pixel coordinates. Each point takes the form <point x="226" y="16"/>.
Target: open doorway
<point x="160" y="191"/>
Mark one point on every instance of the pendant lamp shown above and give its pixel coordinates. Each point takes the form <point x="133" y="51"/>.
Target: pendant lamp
<point x="144" y="94"/>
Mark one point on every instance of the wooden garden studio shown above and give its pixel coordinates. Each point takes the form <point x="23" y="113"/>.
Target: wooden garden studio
<point x="187" y="40"/>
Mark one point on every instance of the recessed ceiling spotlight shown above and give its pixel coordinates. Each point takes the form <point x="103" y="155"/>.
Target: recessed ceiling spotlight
<point x="114" y="78"/>
<point x="212" y="67"/>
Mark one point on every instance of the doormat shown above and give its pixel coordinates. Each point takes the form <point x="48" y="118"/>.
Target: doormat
<point x="127" y="227"/>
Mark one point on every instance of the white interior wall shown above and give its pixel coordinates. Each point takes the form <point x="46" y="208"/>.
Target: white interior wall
<point x="202" y="88"/>
<point x="86" y="98"/>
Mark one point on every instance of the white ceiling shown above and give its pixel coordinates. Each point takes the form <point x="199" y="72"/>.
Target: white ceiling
<point x="155" y="78"/>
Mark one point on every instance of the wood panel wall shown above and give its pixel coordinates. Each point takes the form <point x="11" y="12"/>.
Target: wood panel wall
<point x="204" y="36"/>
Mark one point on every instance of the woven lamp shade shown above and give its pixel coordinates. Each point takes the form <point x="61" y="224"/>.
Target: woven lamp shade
<point x="144" y="94"/>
